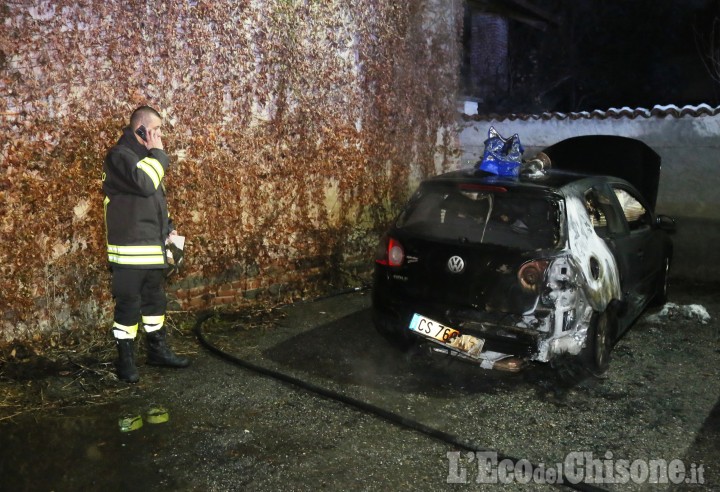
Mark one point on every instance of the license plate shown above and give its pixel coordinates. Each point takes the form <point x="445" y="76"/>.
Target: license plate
<point x="451" y="337"/>
<point x="432" y="329"/>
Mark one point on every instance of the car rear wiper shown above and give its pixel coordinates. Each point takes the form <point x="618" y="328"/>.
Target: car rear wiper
<point x="491" y="203"/>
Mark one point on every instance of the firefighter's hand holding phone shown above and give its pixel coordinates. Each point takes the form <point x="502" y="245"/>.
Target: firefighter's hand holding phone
<point x="152" y="138"/>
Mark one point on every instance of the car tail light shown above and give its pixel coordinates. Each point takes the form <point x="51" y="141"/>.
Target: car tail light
<point x="532" y="274"/>
<point x="390" y="253"/>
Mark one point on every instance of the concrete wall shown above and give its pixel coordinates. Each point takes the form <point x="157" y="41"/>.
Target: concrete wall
<point x="689" y="183"/>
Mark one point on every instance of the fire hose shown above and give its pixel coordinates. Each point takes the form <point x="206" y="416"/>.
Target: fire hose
<point x="364" y="406"/>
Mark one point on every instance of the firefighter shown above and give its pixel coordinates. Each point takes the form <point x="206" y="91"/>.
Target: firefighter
<point x="138" y="227"/>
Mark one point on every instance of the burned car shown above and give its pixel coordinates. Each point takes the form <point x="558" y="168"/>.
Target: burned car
<point x="551" y="266"/>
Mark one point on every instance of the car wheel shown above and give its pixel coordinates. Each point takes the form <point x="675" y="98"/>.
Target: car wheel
<point x="661" y="292"/>
<point x="600" y="343"/>
<point x="594" y="358"/>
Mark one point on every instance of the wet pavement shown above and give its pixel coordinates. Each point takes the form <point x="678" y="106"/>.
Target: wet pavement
<point x="81" y="449"/>
<point x="230" y="428"/>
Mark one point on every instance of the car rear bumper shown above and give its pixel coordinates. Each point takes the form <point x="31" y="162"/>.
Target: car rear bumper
<point x="503" y="338"/>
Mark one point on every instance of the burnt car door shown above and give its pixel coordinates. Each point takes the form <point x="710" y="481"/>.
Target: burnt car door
<point x="645" y="246"/>
<point x="611" y="226"/>
<point x="623" y="220"/>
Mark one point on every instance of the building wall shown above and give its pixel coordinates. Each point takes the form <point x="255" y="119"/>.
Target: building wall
<point x="688" y="141"/>
<point x="293" y="128"/>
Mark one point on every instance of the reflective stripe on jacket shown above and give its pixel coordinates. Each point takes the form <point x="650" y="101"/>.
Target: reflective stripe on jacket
<point x="136" y="216"/>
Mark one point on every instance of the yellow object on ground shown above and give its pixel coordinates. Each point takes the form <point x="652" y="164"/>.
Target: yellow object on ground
<point x="157" y="414"/>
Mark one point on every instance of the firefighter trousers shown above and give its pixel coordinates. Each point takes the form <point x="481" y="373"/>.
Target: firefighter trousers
<point x="139" y="297"/>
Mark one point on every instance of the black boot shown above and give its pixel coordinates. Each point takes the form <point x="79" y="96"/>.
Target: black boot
<point x="158" y="352"/>
<point x="125" y="365"/>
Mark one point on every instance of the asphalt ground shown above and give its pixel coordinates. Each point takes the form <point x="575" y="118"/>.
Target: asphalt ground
<point x="231" y="428"/>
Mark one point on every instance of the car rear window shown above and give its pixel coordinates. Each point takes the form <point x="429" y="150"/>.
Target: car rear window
<point x="482" y="215"/>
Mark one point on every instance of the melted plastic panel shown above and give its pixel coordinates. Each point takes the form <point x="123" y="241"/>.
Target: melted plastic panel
<point x="562" y="313"/>
<point x="584" y="281"/>
<point x="576" y="285"/>
<point x="570" y="312"/>
<point x="592" y="256"/>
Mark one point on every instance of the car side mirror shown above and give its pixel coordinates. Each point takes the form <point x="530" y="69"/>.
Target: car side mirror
<point x="666" y="223"/>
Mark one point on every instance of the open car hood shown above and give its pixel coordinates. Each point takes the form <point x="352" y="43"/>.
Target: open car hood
<point x="610" y="155"/>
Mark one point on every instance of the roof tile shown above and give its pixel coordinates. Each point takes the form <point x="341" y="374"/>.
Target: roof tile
<point x="657" y="111"/>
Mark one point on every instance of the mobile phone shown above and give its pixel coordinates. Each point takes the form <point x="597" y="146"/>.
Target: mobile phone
<point x="142" y="132"/>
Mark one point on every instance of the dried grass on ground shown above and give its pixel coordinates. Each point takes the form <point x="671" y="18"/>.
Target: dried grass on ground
<point x="51" y="374"/>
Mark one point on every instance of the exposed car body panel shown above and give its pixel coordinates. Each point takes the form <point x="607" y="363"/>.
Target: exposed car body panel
<point x="603" y="285"/>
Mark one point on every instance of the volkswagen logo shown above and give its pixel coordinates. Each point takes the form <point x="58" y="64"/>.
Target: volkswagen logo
<point x="456" y="264"/>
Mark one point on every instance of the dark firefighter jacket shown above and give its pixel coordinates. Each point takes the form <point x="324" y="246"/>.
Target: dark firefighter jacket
<point x="136" y="216"/>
